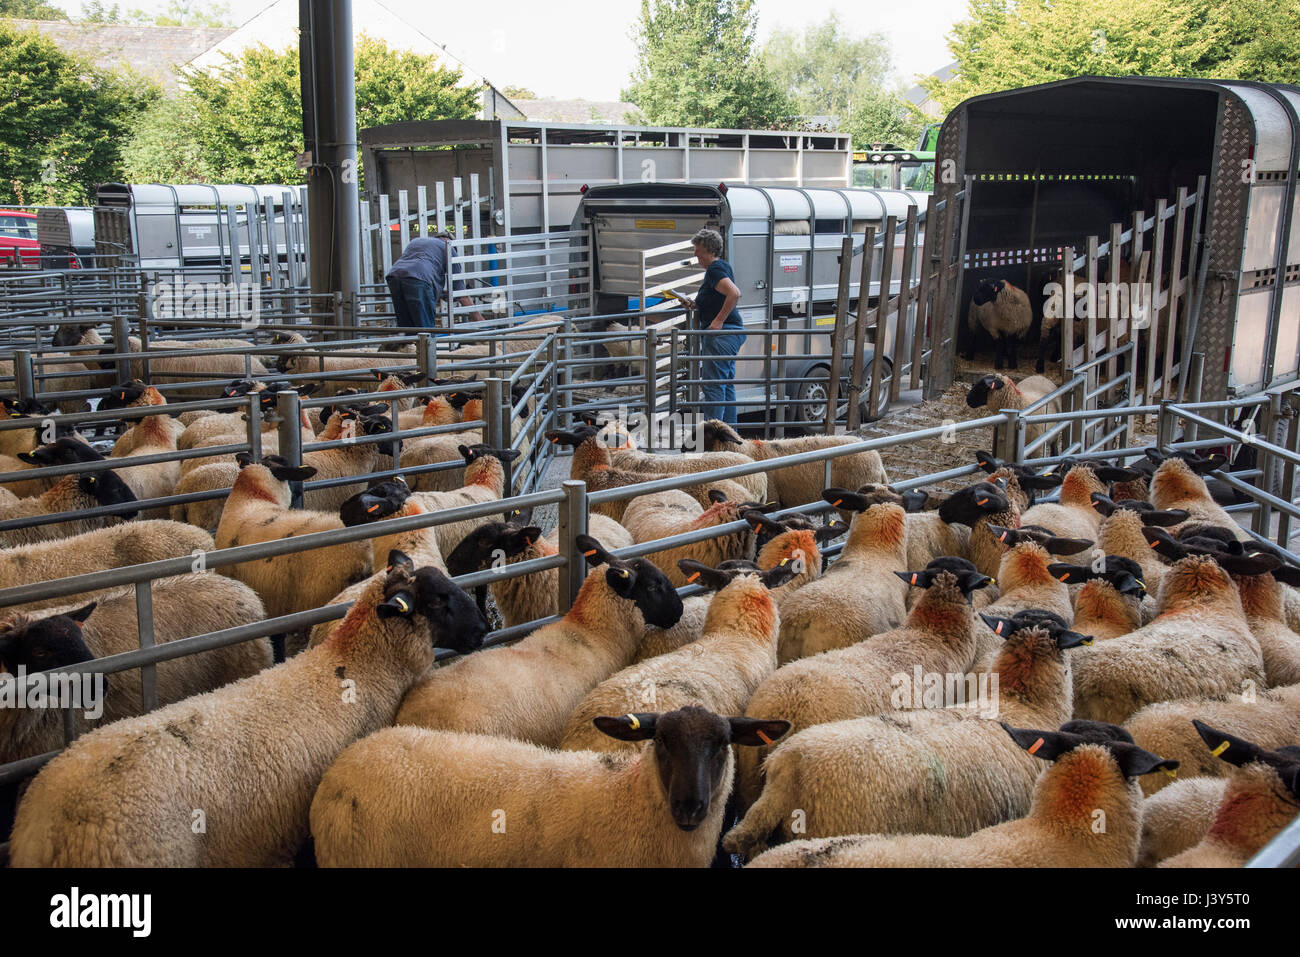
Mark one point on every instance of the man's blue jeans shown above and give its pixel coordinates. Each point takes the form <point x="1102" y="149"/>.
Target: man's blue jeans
<point x="721" y="371"/>
<point x="413" y="302"/>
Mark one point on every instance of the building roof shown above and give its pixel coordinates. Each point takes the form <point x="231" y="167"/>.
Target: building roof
<point x="152" y="51"/>
<point x="543" y="110"/>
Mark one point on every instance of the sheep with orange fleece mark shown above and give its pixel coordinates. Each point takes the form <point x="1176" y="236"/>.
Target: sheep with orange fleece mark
<point x="1177" y="817"/>
<point x="1260" y="799"/>
<point x="529" y="689"/>
<point x="720" y="671"/>
<point x="1199" y="643"/>
<point x="937" y="637"/>
<point x="858" y="596"/>
<point x="664" y="514"/>
<point x="1108" y="601"/>
<point x="1093" y="771"/>
<point x="1076" y="515"/>
<point x="1176" y="485"/>
<point x="934" y="770"/>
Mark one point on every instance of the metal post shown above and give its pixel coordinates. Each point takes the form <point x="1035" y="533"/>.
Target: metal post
<point x="144" y="624"/>
<point x="491" y="414"/>
<point x="426" y="357"/>
<point x="288" y="407"/>
<point x="1007" y="437"/>
<point x="1164" y="425"/>
<point x="573" y="522"/>
<point x="122" y="346"/>
<point x="24" y="380"/>
<point x="1269" y="414"/>
<point x="254" y="417"/>
<point x="651" y="380"/>
<point x="1191" y="385"/>
<point x="1287" y="490"/>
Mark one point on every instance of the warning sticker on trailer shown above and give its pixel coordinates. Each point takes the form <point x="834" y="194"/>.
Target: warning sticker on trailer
<point x="656" y="224"/>
<point x="791" y="263"/>
<point x="825" y="320"/>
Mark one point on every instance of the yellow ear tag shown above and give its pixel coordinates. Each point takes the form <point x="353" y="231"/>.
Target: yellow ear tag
<point x="622" y="573"/>
<point x="636" y="724"/>
<point x="1033" y="748"/>
<point x="1220" y="749"/>
<point x="401" y="603"/>
<point x="693" y="576"/>
<point x="782" y="563"/>
<point x="764" y="738"/>
<point x="1088" y="641"/>
<point x="1172" y="773"/>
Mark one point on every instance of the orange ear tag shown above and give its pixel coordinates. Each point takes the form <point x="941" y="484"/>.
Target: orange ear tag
<point x="1035" y="746"/>
<point x="372" y="508"/>
<point x="914" y="576"/>
<point x="1065" y="576"/>
<point x="764" y="738"/>
<point x="588" y="554"/>
<point x="1002" y="537"/>
<point x="998" y="629"/>
<point x="694" y="575"/>
<point x="836" y="503"/>
<point x="982" y="501"/>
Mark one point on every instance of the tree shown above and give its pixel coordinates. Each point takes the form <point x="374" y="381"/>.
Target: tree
<point x="31" y="10"/>
<point x="1004" y="44"/>
<point x="61" y="121"/>
<point x="242" y="123"/>
<point x="519" y="93"/>
<point x="828" y="72"/>
<point x="179" y="13"/>
<point x="697" y="66"/>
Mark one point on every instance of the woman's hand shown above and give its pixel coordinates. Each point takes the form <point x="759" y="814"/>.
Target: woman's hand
<point x="717" y="323"/>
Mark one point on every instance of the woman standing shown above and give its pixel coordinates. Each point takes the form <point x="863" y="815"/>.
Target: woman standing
<point x="715" y="308"/>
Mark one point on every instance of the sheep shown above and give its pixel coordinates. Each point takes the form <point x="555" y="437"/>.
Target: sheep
<point x="672" y="512"/>
<point x="237" y="362"/>
<point x="435" y="449"/>
<point x="529" y="690"/>
<point x="996" y="392"/>
<point x="213" y="477"/>
<point x="332" y="368"/>
<point x="134" y="395"/>
<point x="1123" y="534"/>
<point x="719" y="671"/>
<point x="1092" y="771"/>
<point x="1003" y="311"/>
<point x="937" y="771"/>
<point x="183" y="606"/>
<point x="13" y="441"/>
<point x="66" y="376"/>
<point x="928" y="536"/>
<point x="661" y="641"/>
<point x="795" y="541"/>
<point x="1107" y="605"/>
<point x="1199" y="643"/>
<point x="484" y="482"/>
<point x="1269" y="718"/>
<point x="529" y="597"/>
<point x="1076" y="514"/>
<point x="938" y="636"/>
<point x="793" y="485"/>
<point x="1259" y="801"/>
<point x="115" y="547"/>
<point x="125" y="795"/>
<point x="433" y="795"/>
<point x="70" y="493"/>
<point x="153" y="435"/>
<point x="859" y="596"/>
<point x="980" y="506"/>
<point x="591" y="464"/>
<point x="1177" y="817"/>
<point x="1177" y="485"/>
<point x="257" y="510"/>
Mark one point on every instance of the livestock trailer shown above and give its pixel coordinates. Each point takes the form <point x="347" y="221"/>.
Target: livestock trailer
<point x="1026" y="172"/>
<point x="783" y="242"/>
<point x="532" y="172"/>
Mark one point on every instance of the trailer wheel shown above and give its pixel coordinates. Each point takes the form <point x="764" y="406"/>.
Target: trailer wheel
<point x="812" y="395"/>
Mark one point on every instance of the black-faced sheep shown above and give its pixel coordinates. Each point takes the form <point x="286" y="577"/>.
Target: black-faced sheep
<point x="1002" y="310"/>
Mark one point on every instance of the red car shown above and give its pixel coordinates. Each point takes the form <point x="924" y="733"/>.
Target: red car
<point x="18" y="244"/>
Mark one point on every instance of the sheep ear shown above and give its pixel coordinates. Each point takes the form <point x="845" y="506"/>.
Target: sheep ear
<point x="1134" y="761"/>
<point x="1204" y="466"/>
<point x="1048" y="745"/>
<point x="1154" y="455"/>
<point x="593" y="551"/>
<point x="402" y="603"/>
<point x="716" y="496"/>
<point x="989" y="462"/>
<point x="1163" y="542"/>
<point x="1115" y="473"/>
<point x="1227" y="747"/>
<point x="1071" y="639"/>
<point x="832" y="530"/>
<point x="843" y="498"/>
<point x="621" y="578"/>
<point x="922" y="579"/>
<point x="307" y="388"/>
<point x="779" y="574"/>
<point x="300" y="474"/>
<point x="1067" y="546"/>
<point x="757" y="732"/>
<point x="244" y="459"/>
<point x="81" y="614"/>
<point x="1039" y="482"/>
<point x="698" y="573"/>
<point x="1164" y="518"/>
<point x="914" y="500"/>
<point x="973" y="581"/>
<point x="1287" y="575"/>
<point x="1260" y="564"/>
<point x="1010" y="537"/>
<point x="1002" y="627"/>
<point x="1103" y="503"/>
<point x="628" y="727"/>
<point x="468" y="454"/>
<point x="760" y="522"/>
<point x="1126" y="584"/>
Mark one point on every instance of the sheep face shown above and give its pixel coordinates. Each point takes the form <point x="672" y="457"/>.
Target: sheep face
<point x="649" y="589"/>
<point x="375" y="503"/>
<point x="987" y="291"/>
<point x="71" y="335"/>
<point x="1124" y="574"/>
<point x="454" y="620"/>
<point x="1096" y="745"/>
<point x="718" y="436"/>
<point x="1285" y="762"/>
<point x="1037" y="632"/>
<point x="979" y="395"/>
<point x="949" y="573"/>
<point x="968" y="505"/>
<point x="125" y="395"/>
<point x="52" y="642"/>
<point x="64" y="451"/>
<point x="480" y="546"/>
<point x="107" y="488"/>
<point x="692" y="753"/>
<point x="18" y="408"/>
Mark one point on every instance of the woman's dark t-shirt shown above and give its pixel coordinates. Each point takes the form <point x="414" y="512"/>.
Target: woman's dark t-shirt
<point x="709" y="300"/>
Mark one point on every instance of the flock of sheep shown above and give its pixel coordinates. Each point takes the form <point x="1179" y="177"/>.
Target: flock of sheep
<point x="977" y="679"/>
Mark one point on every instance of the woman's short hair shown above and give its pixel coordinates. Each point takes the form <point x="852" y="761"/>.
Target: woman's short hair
<point x="710" y="239"/>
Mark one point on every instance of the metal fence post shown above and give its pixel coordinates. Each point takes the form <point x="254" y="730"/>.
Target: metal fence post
<point x="122" y="346"/>
<point x="144" y="624"/>
<point x="1287" y="491"/>
<point x="24" y="380"/>
<point x="1194" y="378"/>
<point x="1079" y="402"/>
<point x="254" y="417"/>
<point x="288" y="406"/>
<point x="426" y="358"/>
<point x="1007" y="436"/>
<point x="1269" y="415"/>
<point x="651" y="380"/>
<point x="573" y="522"/>
<point x="1164" y="425"/>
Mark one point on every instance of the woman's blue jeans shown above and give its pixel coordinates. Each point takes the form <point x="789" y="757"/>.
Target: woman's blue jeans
<point x="718" y="373"/>
<point x="414" y="305"/>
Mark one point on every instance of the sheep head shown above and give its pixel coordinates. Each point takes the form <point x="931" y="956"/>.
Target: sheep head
<point x="985" y="390"/>
<point x="1240" y="753"/>
<point x="375" y="503"/>
<point x="637" y="581"/>
<point x="692" y="752"/>
<point x="1123" y="573"/>
<point x="968" y="505"/>
<point x="453" y="620"/>
<point x="1093" y="740"/>
<point x="41" y="644"/>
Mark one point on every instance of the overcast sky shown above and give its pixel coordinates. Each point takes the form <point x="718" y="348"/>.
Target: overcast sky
<point x="580" y="48"/>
